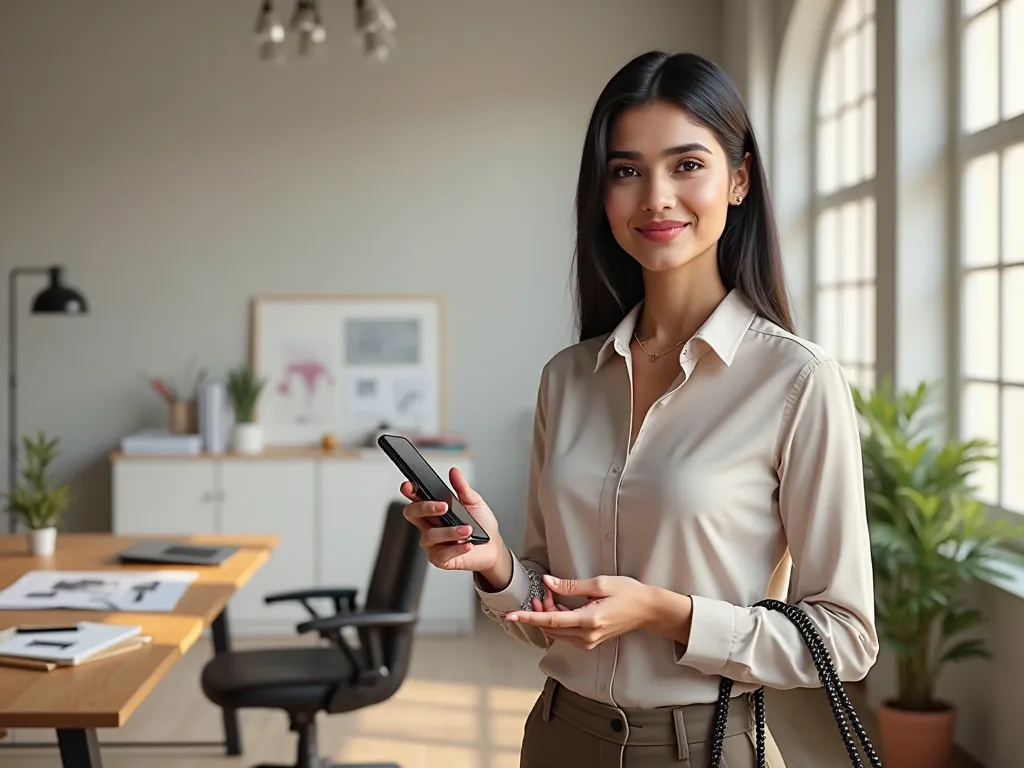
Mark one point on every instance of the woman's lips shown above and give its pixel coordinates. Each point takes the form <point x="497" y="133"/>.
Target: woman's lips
<point x="662" y="231"/>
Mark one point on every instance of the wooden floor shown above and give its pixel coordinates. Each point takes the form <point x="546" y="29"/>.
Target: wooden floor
<point x="463" y="706"/>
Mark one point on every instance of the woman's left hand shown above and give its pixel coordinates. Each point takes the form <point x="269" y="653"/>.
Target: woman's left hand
<point x="617" y="604"/>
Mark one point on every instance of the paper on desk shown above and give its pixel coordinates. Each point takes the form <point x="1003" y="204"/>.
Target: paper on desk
<point x="137" y="591"/>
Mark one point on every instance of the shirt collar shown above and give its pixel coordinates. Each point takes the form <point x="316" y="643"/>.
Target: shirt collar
<point x="723" y="331"/>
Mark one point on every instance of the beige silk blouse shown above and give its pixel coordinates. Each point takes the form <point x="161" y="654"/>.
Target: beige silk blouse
<point x="744" y="482"/>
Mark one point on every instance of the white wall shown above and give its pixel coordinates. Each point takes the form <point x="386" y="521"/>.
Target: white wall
<point x="145" y="147"/>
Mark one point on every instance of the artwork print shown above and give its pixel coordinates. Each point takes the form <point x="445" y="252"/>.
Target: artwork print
<point x="346" y="365"/>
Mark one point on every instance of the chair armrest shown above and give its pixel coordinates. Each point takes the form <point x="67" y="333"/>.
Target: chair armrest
<point x="344" y="598"/>
<point x="366" y="620"/>
<point x="346" y="593"/>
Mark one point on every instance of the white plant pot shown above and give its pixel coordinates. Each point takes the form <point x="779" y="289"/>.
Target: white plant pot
<point x="247" y="438"/>
<point x="43" y="541"/>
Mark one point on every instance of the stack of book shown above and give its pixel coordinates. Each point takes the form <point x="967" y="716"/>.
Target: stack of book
<point x="48" y="647"/>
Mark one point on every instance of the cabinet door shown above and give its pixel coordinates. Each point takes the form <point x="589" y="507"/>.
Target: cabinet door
<point x="354" y="496"/>
<point x="164" y="496"/>
<point x="275" y="497"/>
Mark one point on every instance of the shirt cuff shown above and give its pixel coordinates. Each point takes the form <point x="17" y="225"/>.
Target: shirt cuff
<point x="712" y="629"/>
<point x="516" y="596"/>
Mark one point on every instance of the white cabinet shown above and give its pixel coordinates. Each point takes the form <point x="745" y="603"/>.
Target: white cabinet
<point x="327" y="510"/>
<point x="172" y="496"/>
<point x="276" y="497"/>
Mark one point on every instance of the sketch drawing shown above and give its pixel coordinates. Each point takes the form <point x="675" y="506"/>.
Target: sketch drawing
<point x="151" y="591"/>
<point x="304" y="384"/>
<point x="382" y="341"/>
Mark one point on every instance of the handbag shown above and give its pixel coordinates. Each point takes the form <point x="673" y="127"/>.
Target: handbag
<point x="837" y="698"/>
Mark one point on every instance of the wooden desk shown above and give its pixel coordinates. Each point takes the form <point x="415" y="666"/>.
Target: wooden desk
<point x="104" y="694"/>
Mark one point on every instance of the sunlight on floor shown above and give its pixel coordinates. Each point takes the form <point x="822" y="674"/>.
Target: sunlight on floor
<point x="433" y="724"/>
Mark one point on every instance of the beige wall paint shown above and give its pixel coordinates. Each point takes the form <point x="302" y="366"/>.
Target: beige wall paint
<point x="145" y="147"/>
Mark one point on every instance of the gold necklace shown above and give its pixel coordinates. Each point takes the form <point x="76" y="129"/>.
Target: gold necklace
<point x="654" y="356"/>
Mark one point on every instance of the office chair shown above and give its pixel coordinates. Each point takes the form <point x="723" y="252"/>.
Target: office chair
<point x="340" y="677"/>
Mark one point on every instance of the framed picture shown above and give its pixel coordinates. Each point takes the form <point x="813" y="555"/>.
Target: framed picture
<point x="346" y="364"/>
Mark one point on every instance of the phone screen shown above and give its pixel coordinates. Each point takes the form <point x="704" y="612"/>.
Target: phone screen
<point x="420" y="473"/>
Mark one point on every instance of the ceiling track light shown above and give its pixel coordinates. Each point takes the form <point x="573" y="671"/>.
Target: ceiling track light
<point x="375" y="27"/>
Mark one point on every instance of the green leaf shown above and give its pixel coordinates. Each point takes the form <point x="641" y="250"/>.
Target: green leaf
<point x="931" y="538"/>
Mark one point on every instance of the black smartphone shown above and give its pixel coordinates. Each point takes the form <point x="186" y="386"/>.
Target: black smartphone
<point x="429" y="485"/>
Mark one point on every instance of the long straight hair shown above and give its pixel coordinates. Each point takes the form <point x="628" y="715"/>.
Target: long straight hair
<point x="609" y="282"/>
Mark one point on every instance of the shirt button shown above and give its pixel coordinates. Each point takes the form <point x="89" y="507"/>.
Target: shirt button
<point x="608" y="535"/>
<point x="615" y="469"/>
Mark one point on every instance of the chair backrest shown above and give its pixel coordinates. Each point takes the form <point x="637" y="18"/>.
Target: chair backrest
<point x="396" y="585"/>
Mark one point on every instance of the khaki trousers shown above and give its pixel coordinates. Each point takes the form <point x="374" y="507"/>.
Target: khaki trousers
<point x="566" y="730"/>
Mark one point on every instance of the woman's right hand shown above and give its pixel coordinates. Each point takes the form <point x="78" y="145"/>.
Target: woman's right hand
<point x="442" y="543"/>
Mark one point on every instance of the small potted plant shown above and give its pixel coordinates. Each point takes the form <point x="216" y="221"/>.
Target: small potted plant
<point x="244" y="389"/>
<point x="36" y="502"/>
<point x="930" y="540"/>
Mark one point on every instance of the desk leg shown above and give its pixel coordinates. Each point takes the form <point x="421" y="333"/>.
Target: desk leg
<point x="222" y="644"/>
<point x="79" y="748"/>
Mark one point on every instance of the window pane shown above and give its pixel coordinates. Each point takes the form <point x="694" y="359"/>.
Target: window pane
<point x="851" y="137"/>
<point x="850" y="325"/>
<point x="1013" y="58"/>
<point x="848" y="16"/>
<point x="849" y="242"/>
<point x="827" y="152"/>
<point x="868" y="135"/>
<point x="867" y="52"/>
<point x="973" y="6"/>
<point x="980" y="323"/>
<point x="828" y="99"/>
<point x="1013" y="205"/>
<point x="981" y="211"/>
<point x="826" y="313"/>
<point x="980" y="409"/>
<point x="851" y="68"/>
<point x="1013" y="329"/>
<point x="867" y="240"/>
<point x="828" y="247"/>
<point x="1012" y="449"/>
<point x="868" y="341"/>
<point x="981" y="71"/>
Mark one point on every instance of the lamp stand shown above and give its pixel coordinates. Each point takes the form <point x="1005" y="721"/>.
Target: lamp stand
<point x="12" y="381"/>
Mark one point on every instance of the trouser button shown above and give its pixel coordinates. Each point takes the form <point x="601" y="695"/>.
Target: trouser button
<point x="617" y="724"/>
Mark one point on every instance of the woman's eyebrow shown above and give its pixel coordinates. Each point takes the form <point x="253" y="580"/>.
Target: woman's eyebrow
<point x="682" y="149"/>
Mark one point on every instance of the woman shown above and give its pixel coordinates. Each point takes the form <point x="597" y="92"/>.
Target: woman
<point x="686" y="451"/>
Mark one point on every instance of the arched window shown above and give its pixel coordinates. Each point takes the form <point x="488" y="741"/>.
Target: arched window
<point x="843" y="267"/>
<point x="991" y="247"/>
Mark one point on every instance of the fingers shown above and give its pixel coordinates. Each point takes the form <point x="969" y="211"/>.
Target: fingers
<point x="461" y="487"/>
<point x="595" y="587"/>
<point x="445" y="535"/>
<point x="424" y="514"/>
<point x="448" y="557"/>
<point x="408" y="490"/>
<point x="552" y="619"/>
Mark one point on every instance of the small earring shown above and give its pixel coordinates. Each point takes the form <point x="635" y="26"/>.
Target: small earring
<point x="738" y="199"/>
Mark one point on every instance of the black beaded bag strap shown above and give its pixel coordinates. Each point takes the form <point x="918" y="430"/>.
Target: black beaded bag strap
<point x="837" y="698"/>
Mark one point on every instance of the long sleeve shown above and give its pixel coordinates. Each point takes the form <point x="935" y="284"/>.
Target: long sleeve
<point x="822" y="507"/>
<point x="527" y="569"/>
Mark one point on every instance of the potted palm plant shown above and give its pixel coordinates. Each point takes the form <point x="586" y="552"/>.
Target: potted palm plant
<point x="930" y="539"/>
<point x="37" y="502"/>
<point x="244" y="388"/>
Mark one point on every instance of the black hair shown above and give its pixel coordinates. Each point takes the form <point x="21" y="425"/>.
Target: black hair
<point x="609" y="282"/>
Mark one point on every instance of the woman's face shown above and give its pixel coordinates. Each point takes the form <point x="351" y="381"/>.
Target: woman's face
<point x="668" y="187"/>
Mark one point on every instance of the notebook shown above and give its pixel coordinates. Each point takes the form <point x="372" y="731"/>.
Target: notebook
<point x="65" y="647"/>
<point x="172" y="552"/>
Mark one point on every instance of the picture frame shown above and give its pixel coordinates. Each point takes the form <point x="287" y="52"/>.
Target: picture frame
<point x="345" y="364"/>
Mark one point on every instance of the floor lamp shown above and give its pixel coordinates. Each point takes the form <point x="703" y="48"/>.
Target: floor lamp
<point x="55" y="299"/>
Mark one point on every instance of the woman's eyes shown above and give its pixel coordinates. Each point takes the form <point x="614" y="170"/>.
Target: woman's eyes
<point x="629" y="172"/>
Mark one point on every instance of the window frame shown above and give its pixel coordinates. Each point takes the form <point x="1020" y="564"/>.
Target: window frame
<point x="967" y="147"/>
<point x="837" y="198"/>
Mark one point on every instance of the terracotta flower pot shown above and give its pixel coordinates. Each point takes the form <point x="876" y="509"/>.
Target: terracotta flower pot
<point x="916" y="739"/>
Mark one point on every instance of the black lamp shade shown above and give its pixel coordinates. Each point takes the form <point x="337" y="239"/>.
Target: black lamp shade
<point x="58" y="298"/>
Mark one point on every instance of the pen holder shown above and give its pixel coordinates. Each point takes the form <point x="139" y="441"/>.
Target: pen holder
<point x="183" y="417"/>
